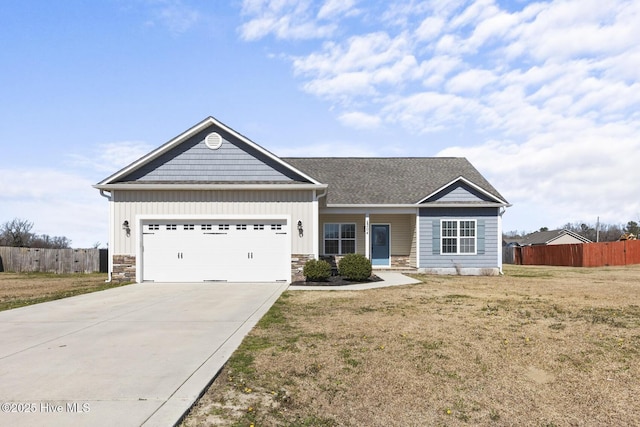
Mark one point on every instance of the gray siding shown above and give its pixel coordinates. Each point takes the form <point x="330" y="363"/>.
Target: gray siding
<point x="234" y="161"/>
<point x="487" y="257"/>
<point x="459" y="192"/>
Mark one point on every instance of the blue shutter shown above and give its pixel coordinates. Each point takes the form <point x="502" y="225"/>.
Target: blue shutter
<point x="435" y="242"/>
<point x="480" y="236"/>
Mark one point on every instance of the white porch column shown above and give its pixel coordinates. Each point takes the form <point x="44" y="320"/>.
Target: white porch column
<point x="315" y="226"/>
<point x="367" y="238"/>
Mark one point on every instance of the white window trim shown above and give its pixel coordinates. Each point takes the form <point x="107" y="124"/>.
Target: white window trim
<point x="458" y="237"/>
<point x="339" y="224"/>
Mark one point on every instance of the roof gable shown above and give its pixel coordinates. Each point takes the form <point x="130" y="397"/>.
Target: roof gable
<point x="546" y="237"/>
<point x="188" y="159"/>
<point x="460" y="191"/>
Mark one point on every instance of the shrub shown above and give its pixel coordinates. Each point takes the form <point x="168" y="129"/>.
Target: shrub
<point x="354" y="267"/>
<point x="316" y="270"/>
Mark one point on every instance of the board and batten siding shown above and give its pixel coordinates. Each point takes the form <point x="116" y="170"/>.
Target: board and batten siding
<point x="487" y="256"/>
<point x="127" y="205"/>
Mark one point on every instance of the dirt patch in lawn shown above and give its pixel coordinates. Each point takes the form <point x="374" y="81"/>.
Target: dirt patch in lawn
<point x="19" y="289"/>
<point x="542" y="346"/>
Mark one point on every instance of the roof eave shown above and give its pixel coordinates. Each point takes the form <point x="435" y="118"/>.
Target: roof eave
<point x="422" y="205"/>
<point x="160" y="186"/>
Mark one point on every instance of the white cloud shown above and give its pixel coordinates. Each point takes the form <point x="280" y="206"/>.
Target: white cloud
<point x="174" y="15"/>
<point x="111" y="156"/>
<point x="430" y="28"/>
<point x="73" y="208"/>
<point x="442" y="110"/>
<point x="292" y="19"/>
<point x="470" y="81"/>
<point x="360" y="120"/>
<point x="548" y="91"/>
<point x="335" y="8"/>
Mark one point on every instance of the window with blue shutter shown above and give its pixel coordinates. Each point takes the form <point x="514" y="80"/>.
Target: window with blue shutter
<point x="458" y="237"/>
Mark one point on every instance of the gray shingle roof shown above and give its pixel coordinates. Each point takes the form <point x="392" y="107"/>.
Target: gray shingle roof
<point x="388" y="180"/>
<point x="544" y="237"/>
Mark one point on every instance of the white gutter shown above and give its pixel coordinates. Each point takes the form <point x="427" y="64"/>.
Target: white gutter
<point x="109" y="187"/>
<point x="424" y="205"/>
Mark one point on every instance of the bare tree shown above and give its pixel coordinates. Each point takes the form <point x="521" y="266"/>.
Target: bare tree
<point x="16" y="232"/>
<point x="46" y="241"/>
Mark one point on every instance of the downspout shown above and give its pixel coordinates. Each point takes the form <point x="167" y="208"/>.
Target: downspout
<point x="109" y="245"/>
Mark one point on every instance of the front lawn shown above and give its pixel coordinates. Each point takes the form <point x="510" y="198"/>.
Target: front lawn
<point x="20" y="289"/>
<point x="541" y="346"/>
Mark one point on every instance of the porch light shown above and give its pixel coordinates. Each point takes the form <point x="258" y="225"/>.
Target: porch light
<point x="300" y="229"/>
<point x="126" y="228"/>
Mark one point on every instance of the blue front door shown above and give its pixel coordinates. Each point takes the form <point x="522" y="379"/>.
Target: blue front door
<point x="380" y="254"/>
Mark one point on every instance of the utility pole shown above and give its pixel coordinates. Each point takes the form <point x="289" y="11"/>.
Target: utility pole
<point x="598" y="230"/>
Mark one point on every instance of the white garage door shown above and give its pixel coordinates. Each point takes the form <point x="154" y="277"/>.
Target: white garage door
<point x="231" y="251"/>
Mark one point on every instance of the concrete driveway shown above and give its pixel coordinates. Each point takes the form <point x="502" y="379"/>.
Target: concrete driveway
<point x="130" y="356"/>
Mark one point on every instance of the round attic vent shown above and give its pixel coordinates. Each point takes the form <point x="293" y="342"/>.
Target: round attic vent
<point x="213" y="140"/>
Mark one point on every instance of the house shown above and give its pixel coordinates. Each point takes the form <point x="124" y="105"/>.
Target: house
<point x="212" y="205"/>
<point x="553" y="237"/>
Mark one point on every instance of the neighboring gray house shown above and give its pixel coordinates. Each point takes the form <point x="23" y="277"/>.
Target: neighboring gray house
<point x="211" y="205"/>
<point x="553" y="237"/>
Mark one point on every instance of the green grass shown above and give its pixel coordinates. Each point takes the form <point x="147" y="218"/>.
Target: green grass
<point x="22" y="302"/>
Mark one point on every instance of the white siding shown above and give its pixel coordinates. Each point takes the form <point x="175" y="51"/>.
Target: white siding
<point x="128" y="205"/>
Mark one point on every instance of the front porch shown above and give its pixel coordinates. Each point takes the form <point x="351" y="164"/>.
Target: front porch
<point x="387" y="239"/>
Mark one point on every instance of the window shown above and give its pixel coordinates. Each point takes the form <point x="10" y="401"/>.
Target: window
<point x="205" y="227"/>
<point x="154" y="227"/>
<point x="223" y="227"/>
<point x="339" y="239"/>
<point x="258" y="226"/>
<point x="458" y="236"/>
<point x="241" y="226"/>
<point x="276" y="226"/>
<point x="172" y="227"/>
<point x="189" y="226"/>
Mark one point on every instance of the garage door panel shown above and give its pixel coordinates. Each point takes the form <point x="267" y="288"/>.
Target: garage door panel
<point x="234" y="251"/>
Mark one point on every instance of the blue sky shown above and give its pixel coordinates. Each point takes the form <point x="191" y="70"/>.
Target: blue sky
<point x="542" y="97"/>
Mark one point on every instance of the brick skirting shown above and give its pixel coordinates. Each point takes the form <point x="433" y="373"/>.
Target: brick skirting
<point x="297" y="265"/>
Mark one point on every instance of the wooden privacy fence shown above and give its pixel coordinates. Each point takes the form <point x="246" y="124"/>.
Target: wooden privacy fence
<point x="61" y="261"/>
<point x="580" y="255"/>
